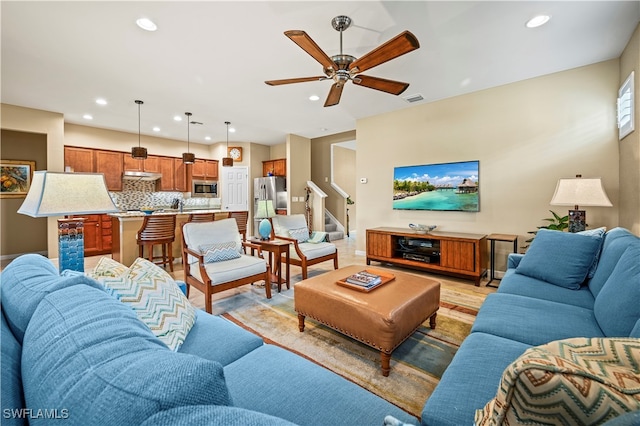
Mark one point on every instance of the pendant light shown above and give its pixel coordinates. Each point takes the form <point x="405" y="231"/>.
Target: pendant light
<point x="227" y="161"/>
<point x="188" y="157"/>
<point x="138" y="152"/>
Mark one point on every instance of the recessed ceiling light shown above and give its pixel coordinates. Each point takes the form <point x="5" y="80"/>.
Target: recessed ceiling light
<point x="87" y="117"/>
<point x="156" y="129"/>
<point x="314" y="98"/>
<point x="232" y="130"/>
<point x="207" y="138"/>
<point x="146" y="24"/>
<point x="537" y="21"/>
<point x="101" y="101"/>
<point x="177" y="118"/>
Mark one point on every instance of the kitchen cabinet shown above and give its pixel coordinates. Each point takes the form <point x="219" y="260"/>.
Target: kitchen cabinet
<point x="110" y="163"/>
<point x="97" y="234"/>
<point x="150" y="164"/>
<point x="87" y="160"/>
<point x="276" y="167"/>
<point x="79" y="159"/>
<point x="174" y="174"/>
<point x="205" y="169"/>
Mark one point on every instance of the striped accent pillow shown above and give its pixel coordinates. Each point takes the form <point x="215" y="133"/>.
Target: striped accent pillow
<point x="107" y="267"/>
<point x="582" y="380"/>
<point x="156" y="299"/>
<point x="300" y="234"/>
<point x="219" y="251"/>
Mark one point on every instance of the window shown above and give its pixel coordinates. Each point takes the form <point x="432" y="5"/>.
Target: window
<point x="626" y="110"/>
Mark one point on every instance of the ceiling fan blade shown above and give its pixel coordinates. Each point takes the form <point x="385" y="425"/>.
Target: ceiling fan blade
<point x="397" y="46"/>
<point x="294" y="80"/>
<point x="334" y="95"/>
<point x="307" y="44"/>
<point x="382" y="84"/>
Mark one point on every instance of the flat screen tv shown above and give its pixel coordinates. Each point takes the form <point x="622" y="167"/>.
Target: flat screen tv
<point x="443" y="187"/>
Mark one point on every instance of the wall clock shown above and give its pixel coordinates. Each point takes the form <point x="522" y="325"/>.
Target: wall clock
<point x="235" y="152"/>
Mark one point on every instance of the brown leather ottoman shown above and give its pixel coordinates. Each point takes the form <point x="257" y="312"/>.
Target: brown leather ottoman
<point x="382" y="318"/>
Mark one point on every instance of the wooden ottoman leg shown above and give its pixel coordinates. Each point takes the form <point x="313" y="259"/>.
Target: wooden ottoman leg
<point x="301" y="322"/>
<point x="432" y="321"/>
<point x="385" y="358"/>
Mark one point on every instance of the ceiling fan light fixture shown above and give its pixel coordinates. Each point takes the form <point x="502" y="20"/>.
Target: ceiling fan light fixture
<point x="227" y="161"/>
<point x="139" y="152"/>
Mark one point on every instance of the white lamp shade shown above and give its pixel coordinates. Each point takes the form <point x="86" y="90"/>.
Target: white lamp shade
<point x="265" y="209"/>
<point x="58" y="194"/>
<point x="580" y="191"/>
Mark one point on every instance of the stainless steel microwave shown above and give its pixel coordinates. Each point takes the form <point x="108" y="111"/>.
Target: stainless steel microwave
<point x="205" y="188"/>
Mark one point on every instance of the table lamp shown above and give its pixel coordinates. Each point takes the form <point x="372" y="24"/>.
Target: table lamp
<point x="265" y="211"/>
<point x="579" y="191"/>
<point x="58" y="194"/>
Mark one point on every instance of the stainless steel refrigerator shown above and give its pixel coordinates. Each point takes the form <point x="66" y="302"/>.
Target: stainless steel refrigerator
<point x="269" y="188"/>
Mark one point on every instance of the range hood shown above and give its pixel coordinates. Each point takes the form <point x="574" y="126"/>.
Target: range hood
<point x="131" y="175"/>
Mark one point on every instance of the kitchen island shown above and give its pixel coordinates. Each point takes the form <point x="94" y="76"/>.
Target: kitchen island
<point x="125" y="226"/>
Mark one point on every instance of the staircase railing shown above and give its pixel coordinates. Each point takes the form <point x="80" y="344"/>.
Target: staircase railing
<point x="314" y="202"/>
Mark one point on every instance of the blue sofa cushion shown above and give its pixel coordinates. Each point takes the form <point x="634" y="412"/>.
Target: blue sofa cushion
<point x="523" y="285"/>
<point x="12" y="396"/>
<point x="560" y="258"/>
<point x="218" y="339"/>
<point x="88" y="353"/>
<point x="25" y="282"/>
<point x="534" y="321"/>
<point x="315" y="396"/>
<point x="464" y="387"/>
<point x="213" y="415"/>
<point x="615" y="243"/>
<point x="617" y="307"/>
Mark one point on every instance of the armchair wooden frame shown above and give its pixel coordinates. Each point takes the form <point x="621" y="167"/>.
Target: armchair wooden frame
<point x="303" y="262"/>
<point x="206" y="287"/>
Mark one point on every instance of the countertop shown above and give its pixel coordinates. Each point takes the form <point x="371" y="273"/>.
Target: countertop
<point x="139" y="214"/>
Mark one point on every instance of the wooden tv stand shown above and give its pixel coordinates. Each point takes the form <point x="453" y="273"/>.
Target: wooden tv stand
<point x="449" y="253"/>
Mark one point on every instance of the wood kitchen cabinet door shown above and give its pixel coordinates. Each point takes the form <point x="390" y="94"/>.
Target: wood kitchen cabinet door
<point x="79" y="159"/>
<point x="110" y="163"/>
<point x="167" y="181"/>
<point x="97" y="234"/>
<point x="150" y="164"/>
<point x="280" y="167"/>
<point x="205" y="169"/>
<point x="180" y="175"/>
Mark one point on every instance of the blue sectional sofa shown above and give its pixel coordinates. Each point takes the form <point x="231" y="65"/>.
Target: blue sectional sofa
<point x="72" y="352"/>
<point x="565" y="286"/>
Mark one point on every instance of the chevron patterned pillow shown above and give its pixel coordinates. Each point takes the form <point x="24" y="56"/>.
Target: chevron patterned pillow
<point x="572" y="381"/>
<point x="300" y="234"/>
<point x="156" y="299"/>
<point x="219" y="251"/>
<point x="107" y="267"/>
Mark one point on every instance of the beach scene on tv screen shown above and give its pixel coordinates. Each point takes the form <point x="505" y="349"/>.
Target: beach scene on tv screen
<point x="446" y="186"/>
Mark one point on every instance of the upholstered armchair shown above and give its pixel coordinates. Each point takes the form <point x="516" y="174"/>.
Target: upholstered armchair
<point x="214" y="259"/>
<point x="308" y="250"/>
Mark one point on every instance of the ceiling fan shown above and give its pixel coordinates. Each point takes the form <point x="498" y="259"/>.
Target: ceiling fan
<point x="342" y="68"/>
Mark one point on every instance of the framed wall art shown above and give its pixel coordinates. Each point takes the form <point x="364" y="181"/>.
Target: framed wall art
<point x="15" y="177"/>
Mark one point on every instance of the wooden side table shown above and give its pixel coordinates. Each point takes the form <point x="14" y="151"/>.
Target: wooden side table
<point x="276" y="248"/>
<point x="499" y="237"/>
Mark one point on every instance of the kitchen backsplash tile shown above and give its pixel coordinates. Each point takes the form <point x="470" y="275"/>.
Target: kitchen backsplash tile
<point x="138" y="194"/>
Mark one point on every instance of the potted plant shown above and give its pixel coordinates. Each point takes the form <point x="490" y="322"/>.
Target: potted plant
<point x="556" y="223"/>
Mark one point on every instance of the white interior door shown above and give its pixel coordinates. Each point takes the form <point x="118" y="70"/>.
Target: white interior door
<point x="235" y="188"/>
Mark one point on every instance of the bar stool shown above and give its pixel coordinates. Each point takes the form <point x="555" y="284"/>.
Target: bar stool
<point x="160" y="229"/>
<point x="201" y="217"/>
<point x="241" y="218"/>
<point x="221" y="215"/>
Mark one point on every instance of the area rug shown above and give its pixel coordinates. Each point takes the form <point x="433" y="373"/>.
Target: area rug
<point x="416" y="365"/>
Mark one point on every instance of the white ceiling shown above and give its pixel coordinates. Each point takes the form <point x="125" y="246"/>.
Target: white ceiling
<point x="211" y="58"/>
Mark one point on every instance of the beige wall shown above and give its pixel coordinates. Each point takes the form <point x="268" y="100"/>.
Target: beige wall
<point x="321" y="170"/>
<point x="630" y="145"/>
<point x="344" y="175"/>
<point x="298" y="170"/>
<point x="526" y="136"/>
<point x="52" y="126"/>
<point x="19" y="233"/>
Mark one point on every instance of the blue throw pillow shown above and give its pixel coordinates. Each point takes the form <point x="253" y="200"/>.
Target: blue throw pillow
<point x="560" y="258"/>
<point x="617" y="306"/>
<point x="598" y="232"/>
<point x="87" y="353"/>
<point x="25" y="282"/>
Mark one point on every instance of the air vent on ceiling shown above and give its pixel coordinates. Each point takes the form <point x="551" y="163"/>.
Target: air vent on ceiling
<point x="413" y="98"/>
